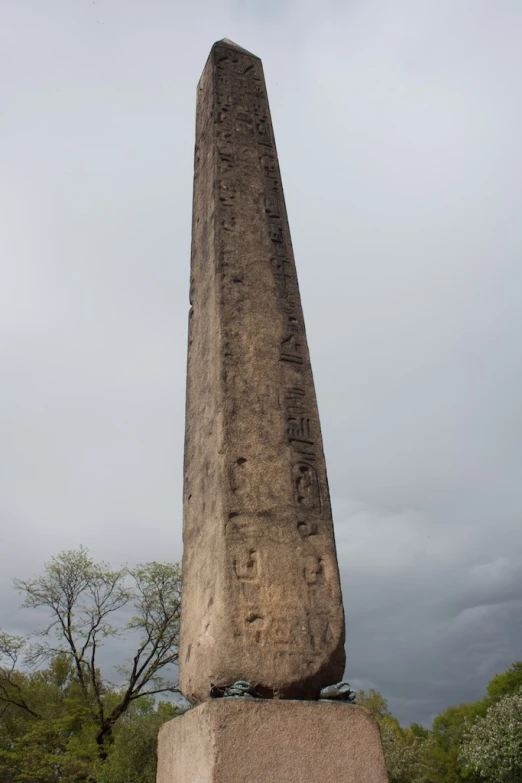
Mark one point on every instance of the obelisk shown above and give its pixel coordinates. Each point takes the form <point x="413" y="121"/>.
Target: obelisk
<point x="261" y="597"/>
<point x="261" y="592"/>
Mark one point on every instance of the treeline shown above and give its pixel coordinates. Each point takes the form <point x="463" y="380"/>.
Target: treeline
<point x="479" y="742"/>
<point x="63" y="721"/>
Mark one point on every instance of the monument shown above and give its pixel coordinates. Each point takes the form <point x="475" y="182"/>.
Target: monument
<point x="261" y="599"/>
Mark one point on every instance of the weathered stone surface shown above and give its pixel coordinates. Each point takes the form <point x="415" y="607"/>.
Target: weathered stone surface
<point x="261" y="592"/>
<point x="240" y="741"/>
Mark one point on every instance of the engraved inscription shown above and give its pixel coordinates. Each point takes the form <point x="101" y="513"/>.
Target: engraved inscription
<point x="269" y="165"/>
<point x="299" y="430"/>
<point x="281" y="630"/>
<point x="237" y="475"/>
<point x="307" y="528"/>
<point x="243" y="122"/>
<point x="281" y="275"/>
<point x="319" y="629"/>
<point x="276" y="233"/>
<point x="291" y="349"/>
<point x="226" y="194"/>
<point x="226" y="161"/>
<point x="272" y="205"/>
<point x="264" y="135"/>
<point x="306" y="488"/>
<point x="246" y="565"/>
<point x="313" y="569"/>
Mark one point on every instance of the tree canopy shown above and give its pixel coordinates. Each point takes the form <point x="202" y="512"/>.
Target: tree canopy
<point x="492" y="746"/>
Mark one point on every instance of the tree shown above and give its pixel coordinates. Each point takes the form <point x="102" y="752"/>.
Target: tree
<point x="446" y="735"/>
<point x="404" y="751"/>
<point x="132" y="756"/>
<point x="375" y="703"/>
<point x="419" y="731"/>
<point x="53" y="740"/>
<point x="87" y="603"/>
<point x="506" y="683"/>
<point x="60" y="744"/>
<point x="492" y="747"/>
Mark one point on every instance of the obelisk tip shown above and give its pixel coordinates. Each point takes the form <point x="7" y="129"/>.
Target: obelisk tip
<point x="231" y="45"/>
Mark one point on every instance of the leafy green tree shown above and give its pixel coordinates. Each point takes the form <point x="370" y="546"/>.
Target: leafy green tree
<point x="492" y="747"/>
<point x="419" y="731"/>
<point x="446" y="735"/>
<point x="88" y="603"/>
<point x="60" y="745"/>
<point x="55" y="739"/>
<point x="403" y="750"/>
<point x="375" y="703"/>
<point x="404" y="753"/>
<point x="132" y="756"/>
<point x="506" y="683"/>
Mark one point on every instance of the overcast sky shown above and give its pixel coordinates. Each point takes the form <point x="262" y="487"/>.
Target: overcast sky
<point x="399" y="128"/>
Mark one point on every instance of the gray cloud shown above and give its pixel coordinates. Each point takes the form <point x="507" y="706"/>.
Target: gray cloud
<point x="398" y="130"/>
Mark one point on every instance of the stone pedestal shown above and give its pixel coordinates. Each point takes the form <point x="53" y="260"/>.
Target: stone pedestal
<point x="273" y="741"/>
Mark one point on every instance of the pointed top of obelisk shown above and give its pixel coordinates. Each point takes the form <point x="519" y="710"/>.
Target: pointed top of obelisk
<point x="232" y="45"/>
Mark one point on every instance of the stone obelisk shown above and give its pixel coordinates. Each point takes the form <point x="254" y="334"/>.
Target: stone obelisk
<point x="261" y="598"/>
<point x="261" y="592"/>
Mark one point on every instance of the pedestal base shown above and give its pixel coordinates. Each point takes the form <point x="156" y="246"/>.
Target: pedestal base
<point x="276" y="741"/>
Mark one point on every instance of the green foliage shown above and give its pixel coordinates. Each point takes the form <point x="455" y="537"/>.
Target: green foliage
<point x="492" y="747"/>
<point x="60" y="744"/>
<point x="507" y="683"/>
<point x="419" y="731"/>
<point x="446" y="735"/>
<point x="132" y="757"/>
<point x="404" y="750"/>
<point x="479" y="742"/>
<point x="447" y="761"/>
<point x="56" y="739"/>
<point x="375" y="703"/>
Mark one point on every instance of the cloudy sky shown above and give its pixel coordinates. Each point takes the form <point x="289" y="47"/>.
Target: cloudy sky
<point x="398" y="127"/>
